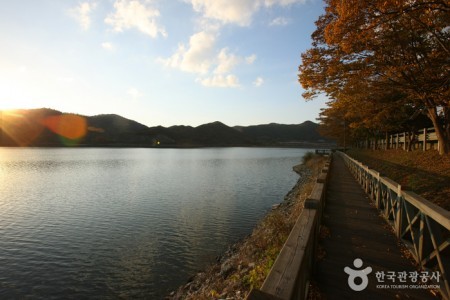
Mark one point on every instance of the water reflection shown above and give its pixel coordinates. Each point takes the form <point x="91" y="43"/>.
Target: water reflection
<point x="127" y="222"/>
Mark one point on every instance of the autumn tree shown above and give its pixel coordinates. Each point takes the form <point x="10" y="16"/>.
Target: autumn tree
<point x="363" y="48"/>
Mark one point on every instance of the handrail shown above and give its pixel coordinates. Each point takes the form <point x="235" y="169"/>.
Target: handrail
<point x="291" y="272"/>
<point x="421" y="225"/>
<point x="426" y="138"/>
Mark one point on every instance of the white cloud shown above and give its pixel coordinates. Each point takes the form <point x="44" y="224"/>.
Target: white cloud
<point x="133" y="92"/>
<point x="282" y="2"/>
<point x="238" y="12"/>
<point x="215" y="66"/>
<point x="280" y="21"/>
<point x="108" y="46"/>
<point x="258" y="82"/>
<point x="220" y="81"/>
<point x="250" y="59"/>
<point x="197" y="57"/>
<point x="227" y="11"/>
<point x="201" y="57"/>
<point x="82" y="13"/>
<point x="134" y="14"/>
<point x="225" y="62"/>
<point x="209" y="25"/>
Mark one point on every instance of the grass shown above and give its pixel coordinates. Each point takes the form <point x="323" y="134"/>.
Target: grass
<point x="425" y="173"/>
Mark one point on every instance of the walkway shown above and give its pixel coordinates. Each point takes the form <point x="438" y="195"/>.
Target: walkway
<point x="357" y="231"/>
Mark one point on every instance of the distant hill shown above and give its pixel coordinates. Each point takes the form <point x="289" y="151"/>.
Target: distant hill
<point x="214" y="134"/>
<point x="116" y="130"/>
<point x="48" y="127"/>
<point x="279" y="133"/>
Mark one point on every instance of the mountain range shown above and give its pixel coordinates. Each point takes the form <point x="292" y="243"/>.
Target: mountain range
<point x="48" y="128"/>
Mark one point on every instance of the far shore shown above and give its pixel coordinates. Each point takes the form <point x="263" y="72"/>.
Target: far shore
<point x="283" y="145"/>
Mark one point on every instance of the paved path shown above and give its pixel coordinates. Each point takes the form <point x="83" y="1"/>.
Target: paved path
<point x="357" y="231"/>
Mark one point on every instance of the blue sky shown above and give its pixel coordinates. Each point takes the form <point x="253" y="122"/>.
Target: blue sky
<point x="159" y="62"/>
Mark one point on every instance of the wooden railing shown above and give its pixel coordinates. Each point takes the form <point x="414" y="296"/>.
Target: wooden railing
<point x="290" y="275"/>
<point x="425" y="139"/>
<point x="324" y="151"/>
<point x="421" y="225"/>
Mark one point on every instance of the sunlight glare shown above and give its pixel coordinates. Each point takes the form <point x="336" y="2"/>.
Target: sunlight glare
<point x="18" y="127"/>
<point x="67" y="126"/>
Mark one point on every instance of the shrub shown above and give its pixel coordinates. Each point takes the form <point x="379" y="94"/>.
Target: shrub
<point x="308" y="156"/>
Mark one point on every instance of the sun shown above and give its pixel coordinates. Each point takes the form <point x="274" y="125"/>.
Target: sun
<point x="18" y="89"/>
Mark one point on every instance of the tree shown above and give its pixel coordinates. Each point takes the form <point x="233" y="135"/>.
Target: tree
<point x="376" y="46"/>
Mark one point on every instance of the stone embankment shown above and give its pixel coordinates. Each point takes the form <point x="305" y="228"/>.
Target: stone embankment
<point x="246" y="264"/>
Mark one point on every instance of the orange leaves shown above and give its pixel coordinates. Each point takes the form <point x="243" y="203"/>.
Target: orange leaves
<point x="380" y="62"/>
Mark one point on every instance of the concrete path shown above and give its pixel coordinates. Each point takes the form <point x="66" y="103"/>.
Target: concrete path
<point x="357" y="231"/>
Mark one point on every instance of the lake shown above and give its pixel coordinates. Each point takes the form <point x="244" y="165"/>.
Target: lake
<point x="128" y="223"/>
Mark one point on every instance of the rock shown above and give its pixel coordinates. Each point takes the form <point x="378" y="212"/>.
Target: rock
<point x="226" y="269"/>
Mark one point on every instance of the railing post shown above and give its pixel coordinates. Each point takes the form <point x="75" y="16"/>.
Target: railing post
<point x="420" y="252"/>
<point x="425" y="139"/>
<point x="423" y="226"/>
<point x="366" y="179"/>
<point x="291" y="272"/>
<point x="378" y="191"/>
<point x="404" y="144"/>
<point x="398" y="212"/>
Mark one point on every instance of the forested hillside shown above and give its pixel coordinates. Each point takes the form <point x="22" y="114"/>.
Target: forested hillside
<point x="48" y="127"/>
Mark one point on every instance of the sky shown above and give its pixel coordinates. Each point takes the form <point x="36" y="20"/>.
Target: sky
<point x="159" y="62"/>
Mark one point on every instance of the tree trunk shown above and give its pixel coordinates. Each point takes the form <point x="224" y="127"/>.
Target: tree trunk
<point x="411" y="140"/>
<point x="440" y="132"/>
<point x="408" y="141"/>
<point x="447" y="125"/>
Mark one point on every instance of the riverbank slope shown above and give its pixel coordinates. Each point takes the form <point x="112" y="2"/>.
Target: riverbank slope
<point x="425" y="173"/>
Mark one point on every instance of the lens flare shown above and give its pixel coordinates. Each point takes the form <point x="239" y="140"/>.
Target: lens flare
<point x="70" y="128"/>
<point x="17" y="129"/>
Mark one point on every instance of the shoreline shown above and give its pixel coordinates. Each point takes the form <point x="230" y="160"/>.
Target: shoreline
<point x="246" y="263"/>
<point x="130" y="146"/>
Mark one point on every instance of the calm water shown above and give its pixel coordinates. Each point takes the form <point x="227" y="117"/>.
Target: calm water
<point x="127" y="223"/>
